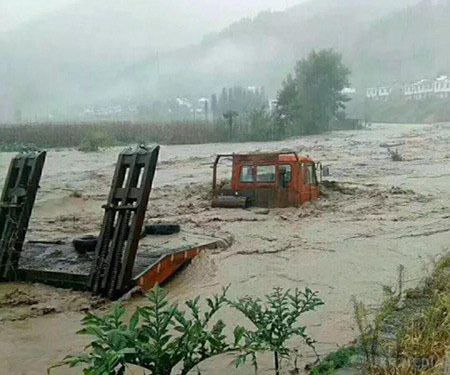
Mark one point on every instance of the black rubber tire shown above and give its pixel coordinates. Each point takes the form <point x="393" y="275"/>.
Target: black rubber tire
<point x="85" y="244"/>
<point x="162" y="229"/>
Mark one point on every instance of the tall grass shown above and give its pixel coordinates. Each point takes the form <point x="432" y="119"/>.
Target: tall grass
<point x="410" y="333"/>
<point x="73" y="135"/>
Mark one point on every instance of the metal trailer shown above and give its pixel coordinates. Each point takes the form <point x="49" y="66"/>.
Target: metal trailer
<point x="115" y="267"/>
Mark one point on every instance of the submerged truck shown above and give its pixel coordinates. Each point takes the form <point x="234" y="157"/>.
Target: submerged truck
<point x="277" y="179"/>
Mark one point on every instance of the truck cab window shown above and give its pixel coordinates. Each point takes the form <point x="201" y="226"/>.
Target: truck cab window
<point x="312" y="174"/>
<point x="247" y="174"/>
<point x="285" y="172"/>
<point x="265" y="173"/>
<point x="306" y="173"/>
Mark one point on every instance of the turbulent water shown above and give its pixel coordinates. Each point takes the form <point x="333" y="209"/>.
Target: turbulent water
<point x="380" y="214"/>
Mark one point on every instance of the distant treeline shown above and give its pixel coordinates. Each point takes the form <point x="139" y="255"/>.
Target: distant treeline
<point x="310" y="101"/>
<point x="91" y="136"/>
<point x="63" y="135"/>
<point x="241" y="100"/>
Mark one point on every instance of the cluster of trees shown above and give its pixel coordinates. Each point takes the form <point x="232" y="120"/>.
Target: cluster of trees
<point x="312" y="97"/>
<point x="311" y="100"/>
<point x="238" y="99"/>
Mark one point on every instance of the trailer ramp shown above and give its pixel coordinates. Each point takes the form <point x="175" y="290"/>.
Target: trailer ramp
<point x="16" y="204"/>
<point x="111" y="272"/>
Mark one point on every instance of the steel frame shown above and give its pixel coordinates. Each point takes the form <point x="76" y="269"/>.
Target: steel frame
<point x="16" y="205"/>
<point x="111" y="272"/>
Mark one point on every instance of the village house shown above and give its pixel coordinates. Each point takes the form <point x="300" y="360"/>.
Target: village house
<point x="442" y="87"/>
<point x="419" y="90"/>
<point x="425" y="88"/>
<point x="378" y="93"/>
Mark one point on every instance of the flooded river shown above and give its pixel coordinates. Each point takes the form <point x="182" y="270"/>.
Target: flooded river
<point x="350" y="243"/>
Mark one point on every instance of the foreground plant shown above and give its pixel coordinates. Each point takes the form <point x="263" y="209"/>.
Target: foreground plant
<point x="197" y="341"/>
<point x="276" y="321"/>
<point x="160" y="337"/>
<point x="110" y="350"/>
<point x="410" y="332"/>
<point x="157" y="337"/>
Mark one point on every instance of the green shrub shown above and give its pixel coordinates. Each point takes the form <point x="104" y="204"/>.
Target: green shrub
<point x="157" y="337"/>
<point x="410" y="333"/>
<point x="340" y="359"/>
<point x="161" y="336"/>
<point x="94" y="140"/>
<point x="275" y="321"/>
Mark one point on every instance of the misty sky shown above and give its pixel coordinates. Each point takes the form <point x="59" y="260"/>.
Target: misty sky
<point x="14" y="13"/>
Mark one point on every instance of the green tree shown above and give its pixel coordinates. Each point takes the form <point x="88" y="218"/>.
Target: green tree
<point x="310" y="99"/>
<point x="287" y="110"/>
<point x="260" y="123"/>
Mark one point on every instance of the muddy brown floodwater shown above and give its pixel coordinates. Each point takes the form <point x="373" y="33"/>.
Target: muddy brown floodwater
<point x="378" y="215"/>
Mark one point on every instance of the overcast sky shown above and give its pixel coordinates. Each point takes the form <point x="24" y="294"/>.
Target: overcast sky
<point x="13" y="13"/>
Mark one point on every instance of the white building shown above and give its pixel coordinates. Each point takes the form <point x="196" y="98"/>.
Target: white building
<point x="348" y="91"/>
<point x="371" y="93"/>
<point x="425" y="88"/>
<point x="273" y="105"/>
<point x="183" y="102"/>
<point x="378" y="93"/>
<point x="442" y="87"/>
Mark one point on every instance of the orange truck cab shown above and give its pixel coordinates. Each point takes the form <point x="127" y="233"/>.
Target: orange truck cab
<point x="281" y="179"/>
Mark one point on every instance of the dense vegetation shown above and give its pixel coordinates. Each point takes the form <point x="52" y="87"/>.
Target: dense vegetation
<point x="408" y="334"/>
<point x="161" y="336"/>
<point x="311" y="98"/>
<point x="93" y="136"/>
<point x="238" y="99"/>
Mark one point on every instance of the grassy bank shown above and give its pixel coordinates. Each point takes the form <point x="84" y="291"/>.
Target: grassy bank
<point x="408" y="334"/>
<point x="106" y="134"/>
<point x="91" y="136"/>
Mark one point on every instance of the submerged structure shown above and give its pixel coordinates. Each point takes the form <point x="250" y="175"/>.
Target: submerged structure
<point x="277" y="179"/>
<point x="16" y="205"/>
<point x="116" y="266"/>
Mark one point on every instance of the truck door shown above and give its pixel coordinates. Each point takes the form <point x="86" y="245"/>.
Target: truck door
<point x="309" y="189"/>
<point x="305" y="183"/>
<point x="284" y="181"/>
<point x="315" y="184"/>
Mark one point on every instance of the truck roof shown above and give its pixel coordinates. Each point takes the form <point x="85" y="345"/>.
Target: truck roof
<point x="272" y="157"/>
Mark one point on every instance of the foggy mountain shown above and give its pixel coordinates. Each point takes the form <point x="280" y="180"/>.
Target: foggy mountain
<point x="71" y="55"/>
<point x="264" y="49"/>
<point x="407" y="45"/>
<point x="91" y="52"/>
